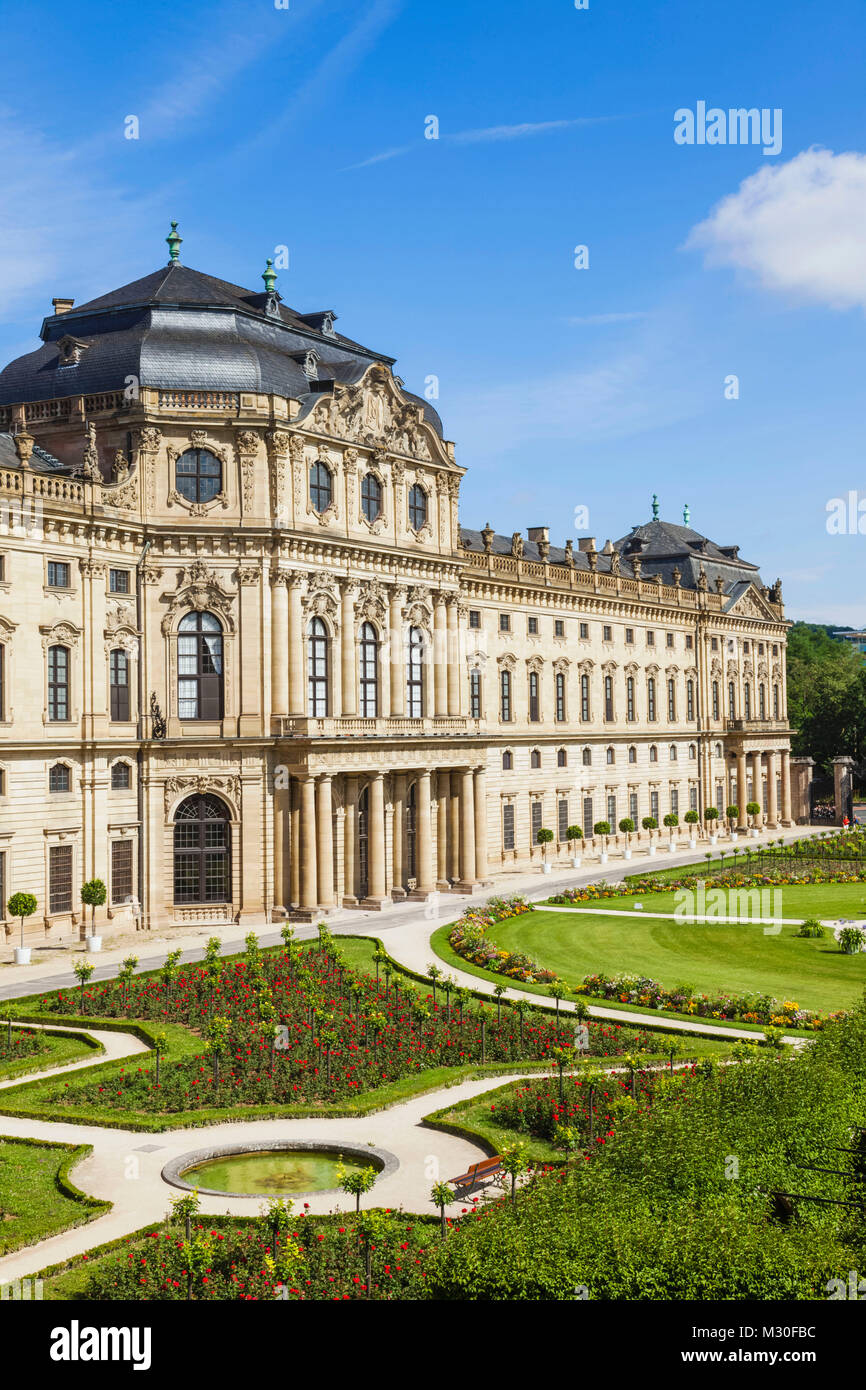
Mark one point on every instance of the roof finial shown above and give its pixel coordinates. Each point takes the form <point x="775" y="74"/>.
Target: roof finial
<point x="269" y="275"/>
<point x="655" y="507"/>
<point x="686" y="514"/>
<point x="174" y="240"/>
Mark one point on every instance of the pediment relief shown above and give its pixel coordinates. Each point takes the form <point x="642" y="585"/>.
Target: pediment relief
<point x="201" y="591"/>
<point x="374" y="412"/>
<point x="508" y="660"/>
<point x="752" y="604"/>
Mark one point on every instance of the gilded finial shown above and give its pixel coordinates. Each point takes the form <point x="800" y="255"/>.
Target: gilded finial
<point x="655" y="507"/>
<point x="686" y="514"/>
<point x="269" y="275"/>
<point x="174" y="240"/>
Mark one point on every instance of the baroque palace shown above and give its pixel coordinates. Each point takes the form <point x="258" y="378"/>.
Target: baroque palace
<point x="250" y="663"/>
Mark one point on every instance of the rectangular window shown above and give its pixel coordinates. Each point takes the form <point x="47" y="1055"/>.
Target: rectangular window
<point x="474" y="617"/>
<point x="560" y="696"/>
<point x="584" y="698"/>
<point x="690" y="642"/>
<point x="534" y="710"/>
<point x="675" y="801"/>
<point x="60" y="878"/>
<point x="508" y="826"/>
<point x="650" y="639"/>
<point x="693" y="798"/>
<point x="58" y="574"/>
<point x="2" y="885"/>
<point x="629" y="635"/>
<point x="558" y="628"/>
<point x="118" y="685"/>
<point x="505" y="696"/>
<point x="611" y="811"/>
<point x="715" y="699"/>
<point x="608" y="699"/>
<point x="720" y="798"/>
<point x="606" y="634"/>
<point x="562" y="817"/>
<point x="654" y="805"/>
<point x="533" y="627"/>
<point x="2" y="682"/>
<point x="535" y="819"/>
<point x="714" y="644"/>
<point x="669" y="639"/>
<point x="632" y="807"/>
<point x="504" y="622"/>
<point x="121" y="870"/>
<point x="583" y="630"/>
<point x="587" y="816"/>
<point x="690" y="700"/>
<point x="651" y="700"/>
<point x="118" y="581"/>
<point x="475" y="694"/>
<point x="58" y="683"/>
<point x="3" y="571"/>
<point x="765" y="789"/>
<point x="672" y="702"/>
<point x="629" y="698"/>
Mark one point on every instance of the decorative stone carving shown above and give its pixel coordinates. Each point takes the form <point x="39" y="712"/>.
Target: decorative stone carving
<point x="321" y="599"/>
<point x="372" y="603"/>
<point x="199" y="590"/>
<point x="517" y="545"/>
<point x="180" y="787"/>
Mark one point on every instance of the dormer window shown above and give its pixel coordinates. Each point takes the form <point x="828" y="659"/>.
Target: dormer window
<point x="311" y="365"/>
<point x="70" y="351"/>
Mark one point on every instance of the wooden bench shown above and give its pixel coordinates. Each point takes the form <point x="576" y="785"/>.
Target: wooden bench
<point x="477" y="1175"/>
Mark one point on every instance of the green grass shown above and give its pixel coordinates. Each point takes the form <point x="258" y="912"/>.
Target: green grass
<point x="58" y="1050"/>
<point x="712" y="957"/>
<point x="37" y="1198"/>
<point x="795" y="901"/>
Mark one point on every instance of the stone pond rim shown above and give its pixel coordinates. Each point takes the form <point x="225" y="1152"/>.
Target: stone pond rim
<point x="382" y="1160"/>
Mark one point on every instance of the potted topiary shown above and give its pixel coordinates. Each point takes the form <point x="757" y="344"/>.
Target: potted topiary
<point x="626" y="825"/>
<point x="93" y="895"/>
<point x="733" y="815"/>
<point x="602" y="829"/>
<point x="650" y="824"/>
<point x="671" y="820"/>
<point x="544" y="838"/>
<point x="21" y="905"/>
<point x="691" y="819"/>
<point x="753" y="810"/>
<point x="574" y="835"/>
<point x="711" y="815"/>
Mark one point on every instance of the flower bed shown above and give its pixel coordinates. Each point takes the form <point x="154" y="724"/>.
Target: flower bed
<point x="24" y="1042"/>
<point x="468" y="938"/>
<point x="729" y="878"/>
<point x="534" y="1107"/>
<point x="747" y="1008"/>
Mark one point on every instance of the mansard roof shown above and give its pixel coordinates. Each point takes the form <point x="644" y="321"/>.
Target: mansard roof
<point x="179" y="329"/>
<point x="40" y="460"/>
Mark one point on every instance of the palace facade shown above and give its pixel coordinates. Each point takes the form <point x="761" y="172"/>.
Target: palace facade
<point x="251" y="663"/>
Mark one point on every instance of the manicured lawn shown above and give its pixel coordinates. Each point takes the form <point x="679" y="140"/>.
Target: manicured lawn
<point x="37" y="1199"/>
<point x="790" y="899"/>
<point x="35" y="1050"/>
<point x="739" y="958"/>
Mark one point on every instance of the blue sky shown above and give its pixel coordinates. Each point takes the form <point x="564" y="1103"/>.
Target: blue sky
<point x="305" y="127"/>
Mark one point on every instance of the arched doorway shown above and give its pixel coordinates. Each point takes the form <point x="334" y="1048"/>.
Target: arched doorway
<point x="202" y="851"/>
<point x="363" y="843"/>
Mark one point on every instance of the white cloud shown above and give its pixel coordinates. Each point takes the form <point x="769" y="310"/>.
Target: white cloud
<point x="797" y="228"/>
<point x="485" y="135"/>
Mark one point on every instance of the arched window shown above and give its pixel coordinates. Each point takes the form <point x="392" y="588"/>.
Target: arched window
<point x="371" y="496"/>
<point x="718" y="750"/>
<point x="629" y="699"/>
<point x="651" y="700"/>
<point x="202" y="851"/>
<point x="415" y="674"/>
<point x="317" y="668"/>
<point x="417" y="506"/>
<point x="118" y="684"/>
<point x="535" y="758"/>
<point x="198" y="475"/>
<point x="690" y="700"/>
<point x="561" y="758"/>
<point x="534" y="711"/>
<point x="672" y="752"/>
<point x="732" y="701"/>
<point x="200" y="667"/>
<point x="693" y="750"/>
<point x="121" y="777"/>
<point x="59" y="778"/>
<point x="369" y="665"/>
<point x="321" y="487"/>
<point x="632" y="754"/>
<point x="610" y="756"/>
<point x="653" y="753"/>
<point x="507" y="761"/>
<point x="560" y="696"/>
<point x="505" y="696"/>
<point x="58" y="683"/>
<point x="587" y="757"/>
<point x="584" y="698"/>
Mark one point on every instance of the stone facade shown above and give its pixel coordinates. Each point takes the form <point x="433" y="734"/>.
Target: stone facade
<point x="251" y="664"/>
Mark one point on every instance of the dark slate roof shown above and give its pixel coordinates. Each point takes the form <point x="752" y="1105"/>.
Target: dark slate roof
<point x="180" y="329"/>
<point x="40" y="460"/>
<point x="662" y="546"/>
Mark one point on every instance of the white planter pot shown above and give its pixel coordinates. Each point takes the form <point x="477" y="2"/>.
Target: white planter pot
<point x="93" y="943"/>
<point x="713" y="839"/>
<point x="22" y="955"/>
<point x="602" y="858"/>
<point x="575" y="861"/>
<point x="693" y="844"/>
<point x="755" y="834"/>
<point x="545" y="868"/>
<point x="671" y="847"/>
<point x="652" y="849"/>
<point x="626" y="854"/>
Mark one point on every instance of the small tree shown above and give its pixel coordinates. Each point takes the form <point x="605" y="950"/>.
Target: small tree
<point x="753" y="810"/>
<point x="544" y="838"/>
<point x="434" y="974"/>
<point x="733" y="814"/>
<point x="626" y="825"/>
<point x="356" y="1182"/>
<point x="573" y="832"/>
<point x="671" y="820"/>
<point x="602" y="829"/>
<point x="21" y="905"/>
<point x="83" y="971"/>
<point x="93" y="894"/>
<point x="441" y="1195"/>
<point x="499" y="990"/>
<point x="514" y="1163"/>
<point x="650" y="823"/>
<point x="557" y="990"/>
<point x="711" y="815"/>
<point x="691" y="818"/>
<point x="160" y="1043"/>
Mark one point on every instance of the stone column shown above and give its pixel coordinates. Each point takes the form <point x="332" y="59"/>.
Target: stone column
<point x="423" y="834"/>
<point x="453" y="669"/>
<point x="347" y="651"/>
<point x="454" y="829"/>
<point x="786" y="786"/>
<point x="308" y="876"/>
<point x="772" y="806"/>
<point x="481" y="822"/>
<point x="279" y="643"/>
<point x="398" y="827"/>
<point x="742" y="789"/>
<point x="295" y="843"/>
<point x="467" y="827"/>
<point x="757" y="789"/>
<point x="350" y="840"/>
<point x="296" y="655"/>
<point x="842" y="786"/>
<point x="395" y="651"/>
<point x="440" y="659"/>
<point x="324" y="843"/>
<point x="282" y="889"/>
<point x="442" y="821"/>
<point x="376" y="838"/>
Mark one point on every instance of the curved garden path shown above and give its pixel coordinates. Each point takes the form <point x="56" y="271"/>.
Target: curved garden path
<point x="115" y="1047"/>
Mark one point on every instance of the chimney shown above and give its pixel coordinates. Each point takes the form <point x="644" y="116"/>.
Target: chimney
<point x="538" y="533"/>
<point x="62" y="306"/>
<point x="586" y="543"/>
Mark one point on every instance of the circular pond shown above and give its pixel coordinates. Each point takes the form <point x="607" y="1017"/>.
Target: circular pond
<point x="273" y="1169"/>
